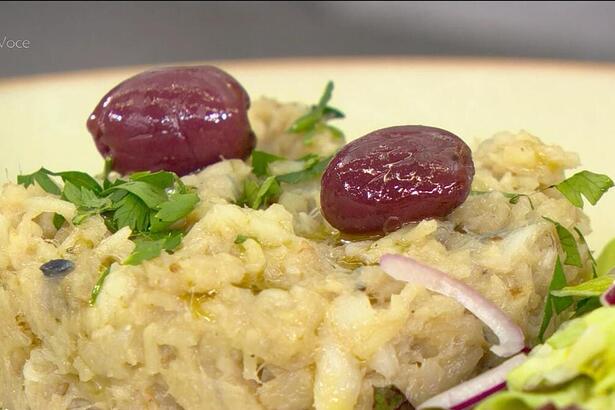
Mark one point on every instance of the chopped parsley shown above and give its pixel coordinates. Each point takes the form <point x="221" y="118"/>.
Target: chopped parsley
<point x="568" y="244"/>
<point x="589" y="252"/>
<point x="582" y="184"/>
<point x="513" y="198"/>
<point x="588" y="184"/>
<point x="152" y="204"/>
<point x="315" y="120"/>
<point x="388" y="398"/>
<point x="557" y="304"/>
<point x="594" y="287"/>
<point x="240" y="239"/>
<point x="257" y="193"/>
<point x="261" y="161"/>
<point x="148" y="247"/>
<point x="313" y="167"/>
<point x="262" y="189"/>
<point x="99" y="284"/>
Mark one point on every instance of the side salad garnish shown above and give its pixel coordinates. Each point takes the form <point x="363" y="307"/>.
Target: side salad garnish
<point x="573" y="368"/>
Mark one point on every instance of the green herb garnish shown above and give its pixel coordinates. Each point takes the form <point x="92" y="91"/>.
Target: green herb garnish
<point x="98" y="286"/>
<point x="313" y="167"/>
<point x="586" y="305"/>
<point x="568" y="243"/>
<point x="152" y="204"/>
<point x="388" y="398"/>
<point x="315" y="119"/>
<point x="240" y="239"/>
<point x="552" y="303"/>
<point x="582" y="184"/>
<point x="264" y="189"/>
<point x="257" y="193"/>
<point x="261" y="161"/>
<point x="149" y="247"/>
<point x="593" y="287"/>
<point x="513" y="198"/>
<point x="591" y="185"/>
<point x="589" y="252"/>
<point x="58" y="221"/>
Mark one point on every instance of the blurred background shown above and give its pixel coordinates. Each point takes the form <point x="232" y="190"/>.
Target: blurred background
<point x="70" y="36"/>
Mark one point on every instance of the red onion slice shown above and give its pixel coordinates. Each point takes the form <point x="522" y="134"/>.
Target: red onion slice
<point x="469" y="393"/>
<point x="608" y="297"/>
<point x="408" y="270"/>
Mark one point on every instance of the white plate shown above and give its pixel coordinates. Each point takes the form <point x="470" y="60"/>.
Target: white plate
<point x="42" y="119"/>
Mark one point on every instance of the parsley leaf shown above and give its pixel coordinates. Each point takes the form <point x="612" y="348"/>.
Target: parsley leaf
<point x="131" y="211"/>
<point x="589" y="252"/>
<point x="161" y="179"/>
<point x="151" y="195"/>
<point x="240" y="239"/>
<point x="269" y="189"/>
<point x="332" y="113"/>
<point x="388" y="398"/>
<point x="593" y="287"/>
<point x="313" y="169"/>
<point x="317" y="115"/>
<point x="261" y="161"/>
<point x="98" y="286"/>
<point x="552" y="303"/>
<point x="83" y="197"/>
<point x="512" y="197"/>
<point x="257" y="193"/>
<point x="41" y="177"/>
<point x="177" y="207"/>
<point x="568" y="243"/>
<point x="591" y="185"/>
<point x="58" y="221"/>
<point x="586" y="305"/>
<point x="150" y="247"/>
<point x="147" y="202"/>
<point x="336" y="132"/>
<point x="79" y="179"/>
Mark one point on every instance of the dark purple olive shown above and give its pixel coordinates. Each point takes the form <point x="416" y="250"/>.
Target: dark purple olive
<point x="393" y="176"/>
<point x="177" y="119"/>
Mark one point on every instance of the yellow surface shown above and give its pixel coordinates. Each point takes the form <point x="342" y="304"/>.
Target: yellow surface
<point x="42" y="119"/>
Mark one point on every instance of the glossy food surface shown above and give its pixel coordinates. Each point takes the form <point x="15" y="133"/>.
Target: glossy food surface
<point x="396" y="175"/>
<point x="177" y="119"/>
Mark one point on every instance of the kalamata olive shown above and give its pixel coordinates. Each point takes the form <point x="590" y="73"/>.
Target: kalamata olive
<point x="177" y="119"/>
<point x="393" y="176"/>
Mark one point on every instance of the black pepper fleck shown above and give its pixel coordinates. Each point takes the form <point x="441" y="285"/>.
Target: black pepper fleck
<point x="57" y="268"/>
